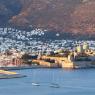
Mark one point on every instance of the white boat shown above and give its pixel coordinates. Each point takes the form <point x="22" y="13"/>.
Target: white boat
<point x="35" y="84"/>
<point x="53" y="85"/>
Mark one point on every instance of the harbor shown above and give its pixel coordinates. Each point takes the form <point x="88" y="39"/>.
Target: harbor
<point x="25" y="52"/>
<point x="71" y="82"/>
<point x="47" y="47"/>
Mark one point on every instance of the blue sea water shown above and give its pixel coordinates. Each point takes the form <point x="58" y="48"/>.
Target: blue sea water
<point x="70" y="82"/>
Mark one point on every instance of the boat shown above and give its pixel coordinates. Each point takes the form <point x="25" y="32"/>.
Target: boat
<point x="35" y="84"/>
<point x="54" y="85"/>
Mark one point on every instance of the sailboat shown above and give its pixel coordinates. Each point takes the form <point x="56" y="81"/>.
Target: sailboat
<point x="53" y="84"/>
<point x="34" y="83"/>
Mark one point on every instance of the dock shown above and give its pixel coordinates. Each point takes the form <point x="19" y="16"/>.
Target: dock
<point x="7" y="72"/>
<point x="8" y="75"/>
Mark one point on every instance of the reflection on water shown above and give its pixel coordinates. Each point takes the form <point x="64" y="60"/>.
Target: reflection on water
<point x="51" y="82"/>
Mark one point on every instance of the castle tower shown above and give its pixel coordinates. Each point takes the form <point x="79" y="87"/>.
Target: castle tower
<point x="80" y="49"/>
<point x="85" y="46"/>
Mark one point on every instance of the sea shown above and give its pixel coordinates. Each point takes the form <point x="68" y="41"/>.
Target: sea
<point x="50" y="82"/>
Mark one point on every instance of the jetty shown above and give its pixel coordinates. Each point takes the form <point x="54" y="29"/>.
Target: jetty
<point x="9" y="74"/>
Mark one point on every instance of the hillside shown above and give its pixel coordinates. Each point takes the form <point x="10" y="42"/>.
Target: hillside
<point x="74" y="16"/>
